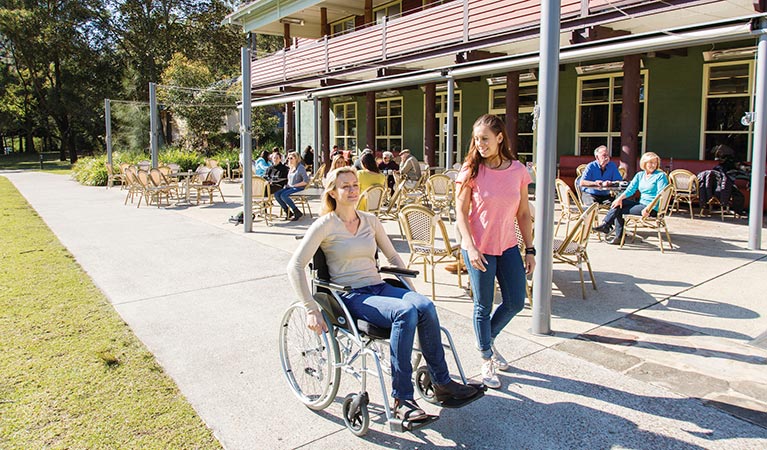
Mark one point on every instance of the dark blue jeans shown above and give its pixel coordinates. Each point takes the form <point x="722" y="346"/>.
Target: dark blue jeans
<point x="509" y="270"/>
<point x="403" y="311"/>
<point x="615" y="215"/>
<point x="283" y="198"/>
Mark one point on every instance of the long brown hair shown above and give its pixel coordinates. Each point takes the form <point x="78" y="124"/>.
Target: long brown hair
<point x="474" y="158"/>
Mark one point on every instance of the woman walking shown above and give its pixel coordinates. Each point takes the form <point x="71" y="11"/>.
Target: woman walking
<point x="492" y="195"/>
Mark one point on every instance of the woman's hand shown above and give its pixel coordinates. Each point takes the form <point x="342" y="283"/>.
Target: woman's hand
<point x="529" y="264"/>
<point x="646" y="212"/>
<point x="618" y="203"/>
<point x="476" y="259"/>
<point x="316" y="322"/>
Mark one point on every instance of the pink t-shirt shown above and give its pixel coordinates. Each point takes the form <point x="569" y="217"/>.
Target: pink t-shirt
<point x="495" y="196"/>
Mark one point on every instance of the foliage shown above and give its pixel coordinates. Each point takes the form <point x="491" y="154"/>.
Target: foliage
<point x="188" y="160"/>
<point x="74" y="375"/>
<point x="130" y="127"/>
<point x="232" y="155"/>
<point x="91" y="171"/>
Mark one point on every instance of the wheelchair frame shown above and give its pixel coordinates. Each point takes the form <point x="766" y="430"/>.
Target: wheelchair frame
<point x="344" y="344"/>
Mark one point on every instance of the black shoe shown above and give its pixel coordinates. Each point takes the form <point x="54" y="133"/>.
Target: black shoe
<point x="615" y="240"/>
<point x="604" y="228"/>
<point x="453" y="390"/>
<point x="408" y="410"/>
<point x="297" y="216"/>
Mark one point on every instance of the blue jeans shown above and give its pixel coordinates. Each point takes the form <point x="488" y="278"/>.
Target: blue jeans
<point x="386" y="306"/>
<point x="615" y="215"/>
<point x="509" y="269"/>
<point x="283" y="198"/>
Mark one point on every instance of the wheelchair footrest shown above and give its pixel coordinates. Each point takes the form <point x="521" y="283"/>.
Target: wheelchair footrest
<point x="399" y="425"/>
<point x="453" y="403"/>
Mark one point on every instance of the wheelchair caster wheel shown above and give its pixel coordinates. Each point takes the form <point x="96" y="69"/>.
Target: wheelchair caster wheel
<point x="424" y="386"/>
<point x="356" y="415"/>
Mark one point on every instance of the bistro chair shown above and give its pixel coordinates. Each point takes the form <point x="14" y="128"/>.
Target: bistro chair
<point x="572" y="248"/>
<point x="657" y="223"/>
<point x="421" y="227"/>
<point x="371" y="199"/>
<point x="132" y="185"/>
<point x="580" y="169"/>
<point x="686" y="188"/>
<point x="160" y="186"/>
<point x="440" y="192"/>
<point x="262" y="199"/>
<point x="316" y="180"/>
<point x="452" y="173"/>
<point x="210" y="184"/>
<point x="570" y="205"/>
<point x="112" y="176"/>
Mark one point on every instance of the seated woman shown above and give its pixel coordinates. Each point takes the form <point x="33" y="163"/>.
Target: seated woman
<point x="649" y="183"/>
<point x="368" y="176"/>
<point x="335" y="162"/>
<point x="349" y="239"/>
<point x="297" y="181"/>
<point x="261" y="164"/>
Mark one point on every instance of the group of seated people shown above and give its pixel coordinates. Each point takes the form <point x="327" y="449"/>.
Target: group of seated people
<point x="367" y="164"/>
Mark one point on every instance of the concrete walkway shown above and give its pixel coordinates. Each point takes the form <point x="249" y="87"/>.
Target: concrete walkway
<point x="669" y="352"/>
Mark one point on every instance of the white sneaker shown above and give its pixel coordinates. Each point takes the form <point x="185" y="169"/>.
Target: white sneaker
<point x="489" y="378"/>
<point x="500" y="361"/>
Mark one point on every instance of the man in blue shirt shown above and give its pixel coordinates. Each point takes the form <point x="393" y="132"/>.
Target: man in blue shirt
<point x="599" y="173"/>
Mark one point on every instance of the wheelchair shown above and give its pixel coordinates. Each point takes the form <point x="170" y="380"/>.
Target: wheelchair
<point x="313" y="363"/>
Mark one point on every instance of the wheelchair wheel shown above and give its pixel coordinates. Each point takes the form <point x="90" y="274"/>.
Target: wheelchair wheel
<point x="309" y="361"/>
<point x="424" y="386"/>
<point x="356" y="416"/>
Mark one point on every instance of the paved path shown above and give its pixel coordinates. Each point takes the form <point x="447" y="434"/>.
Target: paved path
<point x="664" y="346"/>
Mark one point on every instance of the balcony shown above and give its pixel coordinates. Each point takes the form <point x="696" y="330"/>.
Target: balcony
<point x="413" y="36"/>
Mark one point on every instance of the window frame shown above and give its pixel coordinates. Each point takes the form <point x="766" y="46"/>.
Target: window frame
<point x="340" y="21"/>
<point x="389" y="137"/>
<point x="705" y="97"/>
<point x="343" y="140"/>
<point x="522" y="110"/>
<point x="441" y="153"/>
<point x="386" y="6"/>
<point x="609" y="135"/>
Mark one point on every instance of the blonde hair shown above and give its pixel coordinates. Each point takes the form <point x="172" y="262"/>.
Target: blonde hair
<point x="338" y="161"/>
<point x="647" y="157"/>
<point x="328" y="202"/>
<point x="298" y="159"/>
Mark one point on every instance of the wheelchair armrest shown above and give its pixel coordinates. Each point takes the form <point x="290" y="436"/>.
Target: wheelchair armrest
<point x="332" y="286"/>
<point x="398" y="271"/>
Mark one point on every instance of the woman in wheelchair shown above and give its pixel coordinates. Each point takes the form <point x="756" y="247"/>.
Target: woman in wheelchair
<point x="350" y="239"/>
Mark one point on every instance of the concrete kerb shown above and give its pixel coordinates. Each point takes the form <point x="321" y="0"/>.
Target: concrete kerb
<point x="207" y="309"/>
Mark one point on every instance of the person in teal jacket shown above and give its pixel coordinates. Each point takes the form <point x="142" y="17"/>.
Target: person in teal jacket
<point x="649" y="182"/>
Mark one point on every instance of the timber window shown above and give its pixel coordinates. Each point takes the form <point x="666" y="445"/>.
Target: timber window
<point x="388" y="10"/>
<point x="345" y="119"/>
<point x="598" y="121"/>
<point x="727" y="96"/>
<point x="389" y="124"/>
<point x="342" y="26"/>
<point x="528" y="95"/>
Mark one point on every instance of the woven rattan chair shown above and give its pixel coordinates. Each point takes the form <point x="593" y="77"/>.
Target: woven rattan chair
<point x="210" y="184"/>
<point x="149" y="191"/>
<point x="452" y="173"/>
<point x="113" y="176"/>
<point x="262" y="199"/>
<point x="580" y="169"/>
<point x="571" y="208"/>
<point x="162" y="185"/>
<point x="657" y="223"/>
<point x="428" y="241"/>
<point x="572" y="248"/>
<point x="317" y="176"/>
<point x="686" y="188"/>
<point x="132" y="184"/>
<point x="440" y="193"/>
<point x="371" y="199"/>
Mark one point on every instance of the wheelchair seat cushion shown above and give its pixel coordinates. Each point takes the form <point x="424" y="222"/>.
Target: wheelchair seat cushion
<point x="372" y="330"/>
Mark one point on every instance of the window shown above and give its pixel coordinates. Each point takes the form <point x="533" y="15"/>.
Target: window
<point x="528" y="94"/>
<point x="387" y="10"/>
<point x="727" y="96"/>
<point x="345" y="125"/>
<point x="342" y="26"/>
<point x="599" y="113"/>
<point x="389" y="124"/>
<point x="440" y="128"/>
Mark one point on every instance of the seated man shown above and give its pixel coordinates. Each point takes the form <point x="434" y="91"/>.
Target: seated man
<point x="277" y="173"/>
<point x="599" y="173"/>
<point x="409" y="168"/>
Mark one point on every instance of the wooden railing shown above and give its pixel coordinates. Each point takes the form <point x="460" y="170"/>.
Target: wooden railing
<point x="455" y="22"/>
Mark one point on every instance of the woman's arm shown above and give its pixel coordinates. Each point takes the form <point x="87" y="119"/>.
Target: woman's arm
<point x="462" y="207"/>
<point x="384" y="243"/>
<point x="525" y="221"/>
<point x="297" y="273"/>
<point x="301" y="172"/>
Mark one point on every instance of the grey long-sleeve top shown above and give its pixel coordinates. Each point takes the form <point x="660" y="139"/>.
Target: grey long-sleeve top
<point x="350" y="257"/>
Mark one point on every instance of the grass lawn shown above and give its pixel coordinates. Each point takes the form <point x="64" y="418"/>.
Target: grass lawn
<point x="31" y="161"/>
<point x="72" y="374"/>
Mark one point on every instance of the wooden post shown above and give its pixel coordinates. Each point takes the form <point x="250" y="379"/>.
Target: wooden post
<point x="290" y="127"/>
<point x="368" y="12"/>
<point x="429" y="132"/>
<point x="325" y="129"/>
<point x="512" y="111"/>
<point x="630" y="115"/>
<point x="324" y="26"/>
<point x="370" y="119"/>
<point x="286" y="41"/>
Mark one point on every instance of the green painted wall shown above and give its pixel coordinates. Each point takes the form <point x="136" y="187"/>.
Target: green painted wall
<point x="568" y="88"/>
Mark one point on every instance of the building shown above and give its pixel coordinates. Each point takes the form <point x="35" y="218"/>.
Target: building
<point x="675" y="76"/>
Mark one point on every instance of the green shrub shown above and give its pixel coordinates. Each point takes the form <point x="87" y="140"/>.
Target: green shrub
<point x="91" y="171"/>
<point x="188" y="160"/>
<point x="232" y="155"/>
